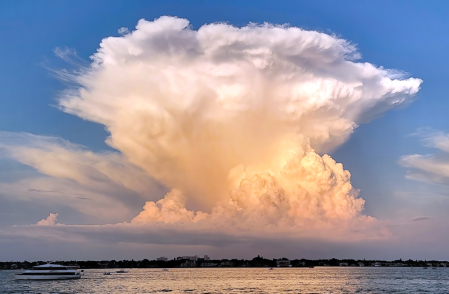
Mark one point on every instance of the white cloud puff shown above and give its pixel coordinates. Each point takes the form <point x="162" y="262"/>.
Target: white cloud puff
<point x="49" y="221"/>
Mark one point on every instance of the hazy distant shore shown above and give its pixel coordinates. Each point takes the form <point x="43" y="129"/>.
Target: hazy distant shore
<point x="192" y="262"/>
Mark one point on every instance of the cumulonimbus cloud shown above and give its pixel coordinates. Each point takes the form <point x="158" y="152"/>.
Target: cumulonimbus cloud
<point x="235" y="119"/>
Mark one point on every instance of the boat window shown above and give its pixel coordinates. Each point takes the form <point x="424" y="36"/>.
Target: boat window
<point x="49" y="268"/>
<point x="48" y="274"/>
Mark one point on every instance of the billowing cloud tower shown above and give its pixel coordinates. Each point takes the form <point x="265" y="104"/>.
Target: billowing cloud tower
<point x="236" y="122"/>
<point x="234" y="119"/>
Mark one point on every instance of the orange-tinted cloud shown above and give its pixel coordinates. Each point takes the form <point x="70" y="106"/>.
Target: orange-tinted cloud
<point x="233" y="120"/>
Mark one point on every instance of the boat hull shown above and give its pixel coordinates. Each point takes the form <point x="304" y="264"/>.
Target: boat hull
<point x="44" y="277"/>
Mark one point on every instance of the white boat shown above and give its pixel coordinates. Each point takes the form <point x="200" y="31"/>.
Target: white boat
<point x="50" y="272"/>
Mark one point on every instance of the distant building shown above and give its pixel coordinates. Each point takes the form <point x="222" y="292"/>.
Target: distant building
<point x="283" y="263"/>
<point x="226" y="263"/>
<point x="189" y="263"/>
<point x="194" y="258"/>
<point x="209" y="264"/>
<point x="163" y="258"/>
<point x="397" y="264"/>
<point x="206" y="257"/>
<point x="343" y="264"/>
<point x="103" y="263"/>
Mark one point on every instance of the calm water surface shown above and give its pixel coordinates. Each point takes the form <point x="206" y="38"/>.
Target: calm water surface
<point x="243" y="280"/>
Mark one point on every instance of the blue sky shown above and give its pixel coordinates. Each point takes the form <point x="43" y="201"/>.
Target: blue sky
<point x="411" y="36"/>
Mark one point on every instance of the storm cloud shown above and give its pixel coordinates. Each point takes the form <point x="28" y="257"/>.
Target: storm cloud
<point x="235" y="123"/>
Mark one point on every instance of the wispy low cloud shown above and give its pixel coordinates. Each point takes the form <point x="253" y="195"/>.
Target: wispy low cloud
<point x="206" y="238"/>
<point x="70" y="56"/>
<point x="420" y="218"/>
<point x="185" y="234"/>
<point x="47" y="191"/>
<point x="68" y="174"/>
<point x="432" y="168"/>
<point x="83" y="198"/>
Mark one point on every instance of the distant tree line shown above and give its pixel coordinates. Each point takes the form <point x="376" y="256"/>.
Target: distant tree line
<point x="255" y="262"/>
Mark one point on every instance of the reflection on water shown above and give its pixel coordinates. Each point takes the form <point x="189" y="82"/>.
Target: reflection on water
<point x="242" y="280"/>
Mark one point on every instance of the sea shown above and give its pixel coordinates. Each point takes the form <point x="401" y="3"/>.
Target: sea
<point x="242" y="280"/>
